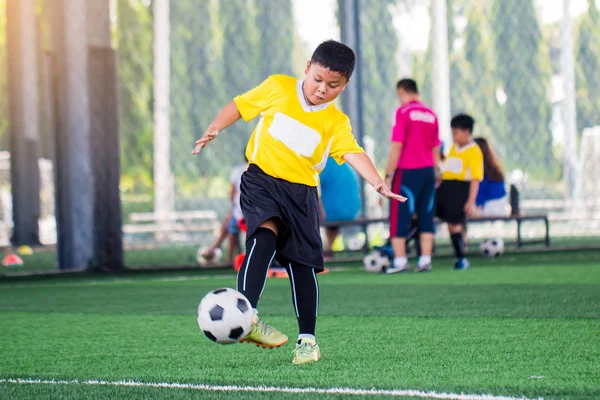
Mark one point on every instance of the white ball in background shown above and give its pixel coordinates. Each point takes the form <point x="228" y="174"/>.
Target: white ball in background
<point x="492" y="247"/>
<point x="376" y="262"/>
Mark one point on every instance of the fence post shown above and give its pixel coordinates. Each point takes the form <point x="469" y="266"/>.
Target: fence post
<point x="73" y="170"/>
<point x="24" y="127"/>
<point x="104" y="138"/>
<point x="163" y="178"/>
<point x="567" y="71"/>
<point x="441" y="68"/>
<point x="352" y="102"/>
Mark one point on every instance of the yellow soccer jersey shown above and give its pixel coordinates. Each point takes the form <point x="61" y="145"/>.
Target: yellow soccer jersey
<point x="463" y="163"/>
<point x="292" y="139"/>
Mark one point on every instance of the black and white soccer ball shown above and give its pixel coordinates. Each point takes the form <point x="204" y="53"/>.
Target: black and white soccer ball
<point x="208" y="261"/>
<point x="492" y="247"/>
<point x="376" y="262"/>
<point x="225" y="316"/>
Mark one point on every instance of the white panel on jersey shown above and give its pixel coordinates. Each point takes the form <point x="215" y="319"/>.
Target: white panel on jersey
<point x="295" y="135"/>
<point x="453" y="164"/>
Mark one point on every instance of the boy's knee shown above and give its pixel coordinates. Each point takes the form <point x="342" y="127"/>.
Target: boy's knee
<point x="271" y="224"/>
<point x="455" y="228"/>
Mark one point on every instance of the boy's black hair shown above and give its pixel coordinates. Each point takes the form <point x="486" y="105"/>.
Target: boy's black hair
<point x="336" y="56"/>
<point x="408" y="85"/>
<point x="463" y="121"/>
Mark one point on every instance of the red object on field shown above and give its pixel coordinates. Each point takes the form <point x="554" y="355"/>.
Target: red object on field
<point x="239" y="259"/>
<point x="242" y="224"/>
<point x="12" y="260"/>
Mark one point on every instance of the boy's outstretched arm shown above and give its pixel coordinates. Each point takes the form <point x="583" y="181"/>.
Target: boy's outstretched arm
<point x="365" y="168"/>
<point x="228" y="115"/>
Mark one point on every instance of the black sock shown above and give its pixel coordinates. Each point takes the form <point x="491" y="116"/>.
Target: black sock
<point x="305" y="294"/>
<point x="260" y="250"/>
<point x="458" y="244"/>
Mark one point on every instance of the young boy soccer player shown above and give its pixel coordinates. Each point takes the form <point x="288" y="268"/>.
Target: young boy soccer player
<point x="456" y="195"/>
<point x="298" y="129"/>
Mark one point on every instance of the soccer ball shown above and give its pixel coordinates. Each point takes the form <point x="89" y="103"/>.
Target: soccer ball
<point x="376" y="262"/>
<point x="225" y="316"/>
<point x="207" y="261"/>
<point x="492" y="247"/>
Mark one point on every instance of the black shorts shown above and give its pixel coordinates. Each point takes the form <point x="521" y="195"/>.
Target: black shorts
<point x="451" y="198"/>
<point x="296" y="207"/>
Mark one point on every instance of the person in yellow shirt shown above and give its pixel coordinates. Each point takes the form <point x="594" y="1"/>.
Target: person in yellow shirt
<point x="462" y="173"/>
<point x="298" y="129"/>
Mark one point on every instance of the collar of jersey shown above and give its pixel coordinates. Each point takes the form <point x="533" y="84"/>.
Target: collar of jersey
<point x="465" y="147"/>
<point x="305" y="106"/>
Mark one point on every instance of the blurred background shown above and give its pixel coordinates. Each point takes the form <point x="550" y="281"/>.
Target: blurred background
<point x="101" y="102"/>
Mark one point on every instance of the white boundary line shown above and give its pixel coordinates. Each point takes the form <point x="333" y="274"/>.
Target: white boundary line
<point x="272" y="389"/>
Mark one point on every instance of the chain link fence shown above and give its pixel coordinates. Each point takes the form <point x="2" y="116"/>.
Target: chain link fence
<point x="505" y="70"/>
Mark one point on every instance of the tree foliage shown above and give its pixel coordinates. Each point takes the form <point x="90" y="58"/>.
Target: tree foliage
<point x="275" y="50"/>
<point x="588" y="68"/>
<point x="134" y="38"/>
<point x="523" y="71"/>
<point x="237" y="20"/>
<point x="482" y="84"/>
<point x="379" y="45"/>
<point x="196" y="84"/>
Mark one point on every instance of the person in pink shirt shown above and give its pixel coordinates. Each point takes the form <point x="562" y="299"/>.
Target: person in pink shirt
<point x="412" y="168"/>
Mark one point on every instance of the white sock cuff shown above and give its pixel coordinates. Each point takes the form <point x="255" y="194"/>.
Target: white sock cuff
<point x="424" y="260"/>
<point x="400" y="261"/>
<point x="307" y="336"/>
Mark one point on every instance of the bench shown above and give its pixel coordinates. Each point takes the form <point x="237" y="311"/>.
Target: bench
<point x="364" y="222"/>
<point x="174" y="224"/>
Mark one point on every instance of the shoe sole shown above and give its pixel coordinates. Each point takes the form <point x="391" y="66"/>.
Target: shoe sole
<point x="400" y="271"/>
<point x="306" y="362"/>
<point x="262" y="345"/>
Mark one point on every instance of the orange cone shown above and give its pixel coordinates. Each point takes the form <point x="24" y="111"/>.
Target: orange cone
<point x="12" y="260"/>
<point x="242" y="224"/>
<point x="237" y="263"/>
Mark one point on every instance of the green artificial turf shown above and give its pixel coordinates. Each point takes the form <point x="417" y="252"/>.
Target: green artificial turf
<point x="524" y="325"/>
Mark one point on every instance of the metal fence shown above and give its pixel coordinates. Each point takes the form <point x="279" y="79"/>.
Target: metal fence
<point x="526" y="73"/>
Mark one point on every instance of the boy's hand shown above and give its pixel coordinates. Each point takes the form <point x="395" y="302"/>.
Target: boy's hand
<point x="386" y="192"/>
<point x="210" y="134"/>
<point x="321" y="210"/>
<point x="469" y="208"/>
<point x="438" y="176"/>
